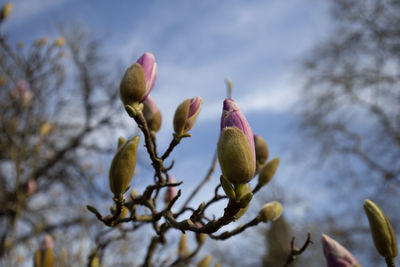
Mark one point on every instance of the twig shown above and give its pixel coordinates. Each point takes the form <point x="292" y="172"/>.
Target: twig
<point x="295" y="251"/>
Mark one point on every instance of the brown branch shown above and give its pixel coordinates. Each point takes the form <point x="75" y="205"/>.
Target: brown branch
<point x="295" y="251"/>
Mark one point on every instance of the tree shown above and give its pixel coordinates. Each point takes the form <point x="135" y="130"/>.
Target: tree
<point x="350" y="109"/>
<point x="56" y="97"/>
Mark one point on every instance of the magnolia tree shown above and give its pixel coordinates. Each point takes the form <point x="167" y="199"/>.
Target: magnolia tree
<point x="241" y="155"/>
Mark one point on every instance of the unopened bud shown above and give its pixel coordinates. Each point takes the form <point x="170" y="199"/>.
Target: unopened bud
<point x="60" y="41"/>
<point x="261" y="149"/>
<point x="41" y="41"/>
<point x="45" y="256"/>
<point x="236" y="153"/>
<point x="151" y="114"/>
<point x="205" y="262"/>
<point x="268" y="171"/>
<point x="182" y="246"/>
<point x="270" y="211"/>
<point x="122" y="167"/>
<point x="171" y="190"/>
<point x="227" y="187"/>
<point x="121" y="142"/>
<point x="337" y="255"/>
<point x="381" y="230"/>
<point x="5" y="11"/>
<point x="186" y="115"/>
<point x="133" y="85"/>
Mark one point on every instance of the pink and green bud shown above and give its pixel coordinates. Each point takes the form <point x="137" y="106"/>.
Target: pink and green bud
<point x="138" y="80"/>
<point x="45" y="256"/>
<point x="236" y="152"/>
<point x="381" y="230"/>
<point x="30" y="187"/>
<point x="171" y="190"/>
<point x="186" y="115"/>
<point x="151" y="114"/>
<point x="336" y="255"/>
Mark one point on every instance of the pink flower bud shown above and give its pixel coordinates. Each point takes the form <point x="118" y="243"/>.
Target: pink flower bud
<point x="149" y="66"/>
<point x="47" y="243"/>
<point x="30" y="187"/>
<point x="186" y="115"/>
<point x="233" y="117"/>
<point x="152" y="114"/>
<point x="336" y="255"/>
<point x="171" y="190"/>
<point x="236" y="152"/>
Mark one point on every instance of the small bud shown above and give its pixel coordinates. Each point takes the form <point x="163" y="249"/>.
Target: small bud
<point x="270" y="211"/>
<point x="41" y="41"/>
<point x="5" y="11"/>
<point x="60" y="41"/>
<point x="171" y="190"/>
<point x="182" y="246"/>
<point x="186" y="115"/>
<point x="381" y="230"/>
<point x="121" y="142"/>
<point x="236" y="153"/>
<point x="337" y="255"/>
<point x="227" y="187"/>
<point x="244" y="195"/>
<point x="218" y="264"/>
<point x="122" y="167"/>
<point x="200" y="237"/>
<point x="31" y="187"/>
<point x="261" y="149"/>
<point x="151" y="114"/>
<point x="45" y="129"/>
<point x="268" y="171"/>
<point x="45" y="256"/>
<point x="205" y="262"/>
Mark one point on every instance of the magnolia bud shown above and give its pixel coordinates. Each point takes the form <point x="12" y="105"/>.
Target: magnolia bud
<point x="151" y="114"/>
<point x="182" y="246"/>
<point x="171" y="190"/>
<point x="30" y="186"/>
<point x="60" y="41"/>
<point x="270" y="211"/>
<point x="5" y="11"/>
<point x="45" y="256"/>
<point x="227" y="187"/>
<point x="244" y="195"/>
<point x="186" y="115"/>
<point x="381" y="230"/>
<point x="261" y="149"/>
<point x="205" y="262"/>
<point x="200" y="237"/>
<point x="268" y="171"/>
<point x="337" y="255"/>
<point x="41" y="41"/>
<point x="236" y="153"/>
<point x="122" y="167"/>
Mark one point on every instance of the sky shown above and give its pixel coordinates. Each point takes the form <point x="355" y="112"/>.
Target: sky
<point x="197" y="44"/>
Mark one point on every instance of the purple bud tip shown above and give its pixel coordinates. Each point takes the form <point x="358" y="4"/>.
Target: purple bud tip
<point x="171" y="189"/>
<point x="195" y="104"/>
<point x="47" y="243"/>
<point x="233" y="117"/>
<point x="336" y="255"/>
<point x="30" y="187"/>
<point x="152" y="104"/>
<point x="149" y="66"/>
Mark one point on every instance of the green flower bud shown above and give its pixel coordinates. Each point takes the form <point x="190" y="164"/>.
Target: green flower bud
<point x="122" y="167"/>
<point x="244" y="195"/>
<point x="227" y="186"/>
<point x="182" y="246"/>
<point x="381" y="230"/>
<point x="133" y="85"/>
<point x="261" y="149"/>
<point x="5" y="11"/>
<point x="268" y="171"/>
<point x="235" y="156"/>
<point x="186" y="115"/>
<point x="270" y="211"/>
<point x="121" y="141"/>
<point x="205" y="262"/>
